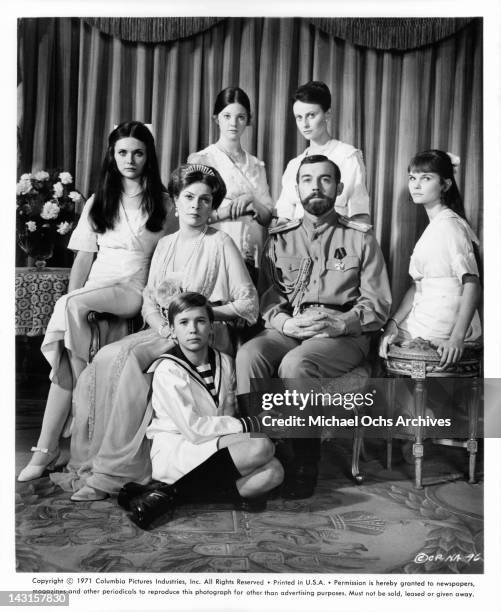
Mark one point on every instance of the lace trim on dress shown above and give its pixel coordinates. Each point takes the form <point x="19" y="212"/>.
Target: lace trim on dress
<point x="245" y="302"/>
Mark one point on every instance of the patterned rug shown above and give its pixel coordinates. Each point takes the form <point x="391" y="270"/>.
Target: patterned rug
<point x="381" y="526"/>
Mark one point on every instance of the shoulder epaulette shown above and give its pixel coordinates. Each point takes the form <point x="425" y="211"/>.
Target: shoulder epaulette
<point x="284" y="225"/>
<point x="356" y="225"/>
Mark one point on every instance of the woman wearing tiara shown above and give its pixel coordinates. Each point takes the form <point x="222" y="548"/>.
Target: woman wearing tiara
<point x="441" y="304"/>
<point x="108" y="446"/>
<point x="246" y="209"/>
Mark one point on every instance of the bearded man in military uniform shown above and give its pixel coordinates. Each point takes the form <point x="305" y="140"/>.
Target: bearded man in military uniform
<point x="324" y="288"/>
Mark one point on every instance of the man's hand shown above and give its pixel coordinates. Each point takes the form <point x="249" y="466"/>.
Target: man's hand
<point x="304" y="326"/>
<point x="389" y="336"/>
<point x="273" y="429"/>
<point x="334" y="325"/>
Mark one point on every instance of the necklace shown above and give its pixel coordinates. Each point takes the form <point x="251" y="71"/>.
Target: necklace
<point x="197" y="243"/>
<point x="133" y="195"/>
<point x="236" y="158"/>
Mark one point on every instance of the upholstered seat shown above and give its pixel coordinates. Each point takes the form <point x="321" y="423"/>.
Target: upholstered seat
<point x="418" y="359"/>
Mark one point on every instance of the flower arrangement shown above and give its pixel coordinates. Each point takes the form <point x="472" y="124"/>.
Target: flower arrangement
<point x="45" y="211"/>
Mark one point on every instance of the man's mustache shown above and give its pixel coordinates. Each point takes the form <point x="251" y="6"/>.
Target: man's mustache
<point x="317" y="196"/>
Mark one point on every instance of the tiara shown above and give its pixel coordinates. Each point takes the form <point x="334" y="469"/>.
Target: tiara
<point x="201" y="168"/>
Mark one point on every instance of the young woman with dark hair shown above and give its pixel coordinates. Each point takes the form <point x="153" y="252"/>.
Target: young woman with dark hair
<point x="441" y="304"/>
<point x="114" y="240"/>
<point x="246" y="210"/>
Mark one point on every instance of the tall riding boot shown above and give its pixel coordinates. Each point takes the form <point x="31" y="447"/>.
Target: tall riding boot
<point x="302" y="478"/>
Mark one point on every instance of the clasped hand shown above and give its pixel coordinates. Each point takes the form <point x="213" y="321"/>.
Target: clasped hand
<point x="314" y="324"/>
<point x="236" y="207"/>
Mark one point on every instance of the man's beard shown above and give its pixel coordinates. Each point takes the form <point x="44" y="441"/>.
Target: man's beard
<point x="321" y="205"/>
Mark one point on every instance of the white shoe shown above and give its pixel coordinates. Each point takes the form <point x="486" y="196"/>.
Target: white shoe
<point x="34" y="471"/>
<point x="87" y="493"/>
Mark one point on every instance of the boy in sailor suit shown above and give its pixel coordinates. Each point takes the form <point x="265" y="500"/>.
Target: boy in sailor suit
<point x="199" y="449"/>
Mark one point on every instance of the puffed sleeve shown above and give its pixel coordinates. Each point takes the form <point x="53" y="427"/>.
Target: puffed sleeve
<point x="173" y="398"/>
<point x="355" y="190"/>
<point x="84" y="238"/>
<point x="242" y="292"/>
<point x="286" y="203"/>
<point x="460" y="250"/>
<point x="262" y="193"/>
<point x="198" y="158"/>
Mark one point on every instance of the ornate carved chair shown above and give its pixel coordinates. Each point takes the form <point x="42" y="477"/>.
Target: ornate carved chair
<point x="419" y="361"/>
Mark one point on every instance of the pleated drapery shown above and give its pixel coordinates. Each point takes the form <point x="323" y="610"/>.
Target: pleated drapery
<point x="78" y="82"/>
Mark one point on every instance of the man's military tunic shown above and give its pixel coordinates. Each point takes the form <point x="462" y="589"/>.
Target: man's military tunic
<point x="331" y="263"/>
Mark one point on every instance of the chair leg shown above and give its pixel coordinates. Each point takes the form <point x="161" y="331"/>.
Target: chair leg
<point x="355" y="456"/>
<point x="389" y="414"/>
<point x="472" y="445"/>
<point x="417" y="447"/>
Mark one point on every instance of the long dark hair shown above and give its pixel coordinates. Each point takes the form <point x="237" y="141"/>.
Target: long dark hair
<point x="232" y="95"/>
<point x="105" y="209"/>
<point x="440" y="163"/>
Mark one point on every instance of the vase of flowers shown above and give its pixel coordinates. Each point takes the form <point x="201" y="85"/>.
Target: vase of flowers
<point x="45" y="212"/>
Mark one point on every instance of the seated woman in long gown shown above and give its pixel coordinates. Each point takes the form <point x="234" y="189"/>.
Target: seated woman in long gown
<point x="108" y="446"/>
<point x="121" y="223"/>
<point x="198" y="445"/>
<point x="441" y="304"/>
<point x="246" y="210"/>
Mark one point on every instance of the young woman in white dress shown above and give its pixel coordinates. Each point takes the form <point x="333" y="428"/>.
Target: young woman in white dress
<point x="114" y="240"/>
<point x="441" y="303"/>
<point x="246" y="210"/>
<point x="312" y="111"/>
<point x="199" y="446"/>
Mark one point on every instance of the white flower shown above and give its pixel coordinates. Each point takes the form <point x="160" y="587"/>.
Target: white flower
<point x="75" y="196"/>
<point x="65" y="178"/>
<point x="455" y="159"/>
<point x="63" y="228"/>
<point x="26" y="177"/>
<point x="24" y="186"/>
<point x="41" y="176"/>
<point x="50" y="210"/>
<point x="31" y="225"/>
<point x="58" y="190"/>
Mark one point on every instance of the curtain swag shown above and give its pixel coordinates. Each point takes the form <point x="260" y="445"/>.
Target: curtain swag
<point x="391" y="33"/>
<point x="153" y="29"/>
<point x="376" y="33"/>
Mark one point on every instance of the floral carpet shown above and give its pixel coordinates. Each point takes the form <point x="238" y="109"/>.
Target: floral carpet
<point x="381" y="526"/>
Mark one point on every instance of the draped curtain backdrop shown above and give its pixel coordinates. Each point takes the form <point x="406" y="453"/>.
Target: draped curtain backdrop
<point x="398" y="86"/>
